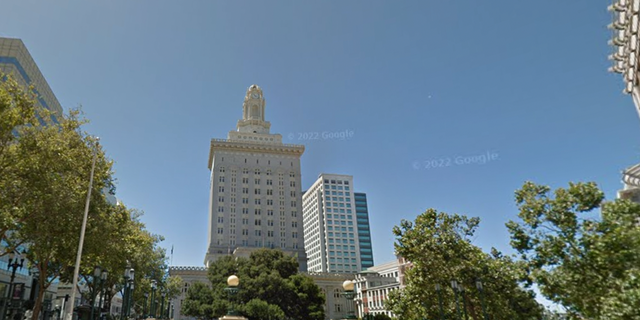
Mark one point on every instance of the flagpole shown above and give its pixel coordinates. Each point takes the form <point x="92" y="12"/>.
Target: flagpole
<point x="76" y="271"/>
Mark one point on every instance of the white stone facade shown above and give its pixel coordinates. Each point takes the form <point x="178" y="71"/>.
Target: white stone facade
<point x="189" y="276"/>
<point x="373" y="286"/>
<point x="330" y="225"/>
<point x="336" y="305"/>
<point x="255" y="196"/>
<point x="631" y="180"/>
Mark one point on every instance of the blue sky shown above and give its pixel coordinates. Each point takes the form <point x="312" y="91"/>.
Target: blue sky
<point x="413" y="82"/>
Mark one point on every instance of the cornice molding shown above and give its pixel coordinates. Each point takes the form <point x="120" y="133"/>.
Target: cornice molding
<point x="241" y="146"/>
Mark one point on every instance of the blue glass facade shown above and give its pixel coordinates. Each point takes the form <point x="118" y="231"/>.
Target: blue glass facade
<point x="16" y="60"/>
<point x="364" y="233"/>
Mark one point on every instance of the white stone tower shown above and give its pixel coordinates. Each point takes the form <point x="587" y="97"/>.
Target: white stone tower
<point x="255" y="197"/>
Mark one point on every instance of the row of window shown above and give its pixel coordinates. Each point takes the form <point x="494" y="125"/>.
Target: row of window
<point x="269" y="182"/>
<point x="256" y="171"/>
<point x="328" y="187"/>
<point x="336" y="181"/>
<point x="337" y="234"/>
<point x="258" y="243"/>
<point x="258" y="233"/>
<point x="336" y="210"/>
<point x="258" y="202"/>
<point x="269" y="192"/>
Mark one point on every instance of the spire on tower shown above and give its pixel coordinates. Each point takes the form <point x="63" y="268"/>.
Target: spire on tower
<point x="253" y="110"/>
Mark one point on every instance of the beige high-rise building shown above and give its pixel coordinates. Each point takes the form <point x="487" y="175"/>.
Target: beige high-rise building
<point x="15" y="60"/>
<point x="255" y="197"/>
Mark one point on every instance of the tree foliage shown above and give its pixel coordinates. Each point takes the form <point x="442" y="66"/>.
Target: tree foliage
<point x="45" y="168"/>
<point x="588" y="263"/>
<point x="440" y="250"/>
<point x="270" y="288"/>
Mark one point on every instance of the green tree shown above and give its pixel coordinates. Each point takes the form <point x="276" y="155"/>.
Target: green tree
<point x="44" y="176"/>
<point x="585" y="261"/>
<point x="201" y="304"/>
<point x="270" y="288"/>
<point x="440" y="250"/>
<point x="17" y="110"/>
<point x="52" y="169"/>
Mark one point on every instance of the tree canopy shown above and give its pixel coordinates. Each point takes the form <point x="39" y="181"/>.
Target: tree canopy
<point x="440" y="249"/>
<point x="45" y="168"/>
<point x="270" y="288"/>
<point x="587" y="262"/>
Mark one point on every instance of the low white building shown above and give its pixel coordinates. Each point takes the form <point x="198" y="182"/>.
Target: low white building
<point x="336" y="306"/>
<point x="374" y="284"/>
<point x="189" y="275"/>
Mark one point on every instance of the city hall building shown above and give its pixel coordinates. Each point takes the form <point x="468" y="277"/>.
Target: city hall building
<point x="255" y="195"/>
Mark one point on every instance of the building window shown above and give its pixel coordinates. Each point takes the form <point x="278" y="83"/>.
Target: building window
<point x="221" y="179"/>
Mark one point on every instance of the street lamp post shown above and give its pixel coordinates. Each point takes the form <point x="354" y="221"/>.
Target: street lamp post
<point x="131" y="287"/>
<point x="152" y="310"/>
<point x="464" y="302"/>
<point x="454" y="285"/>
<point x="129" y="275"/>
<point x="162" y="305"/>
<point x="232" y="290"/>
<point x="144" y="308"/>
<point x="103" y="291"/>
<point x="97" y="275"/>
<point x="123" y="312"/>
<point x="13" y="266"/>
<point x="439" y="291"/>
<point x="349" y="294"/>
<point x="481" y="291"/>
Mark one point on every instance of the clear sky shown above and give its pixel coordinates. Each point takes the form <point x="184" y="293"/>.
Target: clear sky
<point x="413" y="83"/>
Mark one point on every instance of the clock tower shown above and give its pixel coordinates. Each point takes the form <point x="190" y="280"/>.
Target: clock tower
<point x="253" y="112"/>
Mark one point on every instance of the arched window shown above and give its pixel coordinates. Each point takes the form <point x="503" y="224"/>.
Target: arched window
<point x="255" y="112"/>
